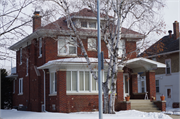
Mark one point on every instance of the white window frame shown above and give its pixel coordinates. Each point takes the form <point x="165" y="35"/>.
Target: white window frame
<point x="20" y="86"/>
<point x="168" y="60"/>
<point x="20" y="56"/>
<point x="27" y="63"/>
<point x="78" y="82"/>
<point x="40" y="47"/>
<point x="13" y="86"/>
<point x="90" y="44"/>
<point x="67" y="45"/>
<point x="52" y="89"/>
<point x="88" y="25"/>
<point x="158" y="87"/>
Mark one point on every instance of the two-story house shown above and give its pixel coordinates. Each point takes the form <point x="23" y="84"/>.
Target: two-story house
<point x="166" y="50"/>
<point x="53" y="75"/>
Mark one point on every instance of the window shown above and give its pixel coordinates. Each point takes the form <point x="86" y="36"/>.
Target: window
<point x="157" y="86"/>
<point x="168" y="66"/>
<point x="91" y="44"/>
<point x="13" y="86"/>
<point x="40" y="47"/>
<point x="53" y="83"/>
<point x="154" y="58"/>
<point x="168" y="93"/>
<point x="81" y="81"/>
<point x="122" y="48"/>
<point x="21" y="86"/>
<point x="27" y="67"/>
<point x="90" y="24"/>
<point x="20" y="56"/>
<point x="67" y="46"/>
<point x="142" y="87"/>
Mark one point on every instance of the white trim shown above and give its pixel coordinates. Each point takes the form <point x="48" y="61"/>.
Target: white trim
<point x="164" y="53"/>
<point x="20" y="86"/>
<point x="20" y="56"/>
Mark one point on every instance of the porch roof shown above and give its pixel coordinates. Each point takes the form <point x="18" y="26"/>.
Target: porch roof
<point x="142" y="64"/>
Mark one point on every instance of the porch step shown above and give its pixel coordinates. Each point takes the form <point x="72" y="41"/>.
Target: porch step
<point x="143" y="105"/>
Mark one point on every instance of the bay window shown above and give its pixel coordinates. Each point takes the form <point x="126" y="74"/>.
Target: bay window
<point x="81" y="81"/>
<point x="53" y="83"/>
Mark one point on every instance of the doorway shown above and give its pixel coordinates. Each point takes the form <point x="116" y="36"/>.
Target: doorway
<point x="168" y="96"/>
<point x="126" y="84"/>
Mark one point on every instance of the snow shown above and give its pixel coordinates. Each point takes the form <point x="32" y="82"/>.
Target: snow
<point x="174" y="111"/>
<point x="130" y="114"/>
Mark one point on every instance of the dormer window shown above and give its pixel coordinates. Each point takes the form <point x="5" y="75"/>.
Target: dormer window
<point x="88" y="24"/>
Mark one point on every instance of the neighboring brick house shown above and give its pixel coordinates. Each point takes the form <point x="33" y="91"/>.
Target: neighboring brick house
<point x="56" y="78"/>
<point x="166" y="50"/>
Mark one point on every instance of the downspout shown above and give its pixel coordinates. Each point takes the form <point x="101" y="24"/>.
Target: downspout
<point x="44" y="92"/>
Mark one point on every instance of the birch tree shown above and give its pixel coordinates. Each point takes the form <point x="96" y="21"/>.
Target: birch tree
<point x="142" y="15"/>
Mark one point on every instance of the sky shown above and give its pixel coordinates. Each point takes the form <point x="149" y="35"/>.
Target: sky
<point x="170" y="13"/>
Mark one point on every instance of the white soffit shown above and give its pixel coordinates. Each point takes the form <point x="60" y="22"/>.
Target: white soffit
<point x="142" y="64"/>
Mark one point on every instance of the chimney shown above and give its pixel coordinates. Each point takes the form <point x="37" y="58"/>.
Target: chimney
<point x="176" y="29"/>
<point x="170" y="33"/>
<point x="36" y="20"/>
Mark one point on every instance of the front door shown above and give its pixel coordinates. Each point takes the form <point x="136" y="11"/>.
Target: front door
<point x="168" y="96"/>
<point x="126" y="84"/>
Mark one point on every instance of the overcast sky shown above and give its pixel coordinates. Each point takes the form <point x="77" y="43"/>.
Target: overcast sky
<point x="170" y="13"/>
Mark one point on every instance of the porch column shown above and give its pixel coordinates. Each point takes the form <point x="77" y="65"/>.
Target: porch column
<point x="151" y="84"/>
<point x="61" y="91"/>
<point x="134" y="83"/>
<point x="119" y="86"/>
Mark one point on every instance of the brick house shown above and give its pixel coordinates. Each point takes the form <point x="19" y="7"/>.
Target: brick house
<point x="53" y="75"/>
<point x="167" y="80"/>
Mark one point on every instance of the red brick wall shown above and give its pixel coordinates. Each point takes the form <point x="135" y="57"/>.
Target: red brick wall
<point x="134" y="83"/>
<point x="151" y="84"/>
<point x="119" y="85"/>
<point x="130" y="47"/>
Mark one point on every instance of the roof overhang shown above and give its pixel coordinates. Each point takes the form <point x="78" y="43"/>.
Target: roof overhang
<point x="142" y="64"/>
<point x="12" y="76"/>
<point x="53" y="33"/>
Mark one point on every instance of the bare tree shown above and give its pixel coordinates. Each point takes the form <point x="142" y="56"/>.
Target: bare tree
<point x="13" y="20"/>
<point x="115" y="13"/>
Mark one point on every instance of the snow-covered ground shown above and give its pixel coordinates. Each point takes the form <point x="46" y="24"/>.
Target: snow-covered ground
<point x="174" y="111"/>
<point x="130" y="114"/>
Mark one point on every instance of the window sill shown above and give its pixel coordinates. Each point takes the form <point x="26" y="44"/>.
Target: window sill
<point x="67" y="55"/>
<point x="81" y="93"/>
<point x="53" y="94"/>
<point x="92" y="50"/>
<point x="168" y="74"/>
<point x="40" y="56"/>
<point x="20" y="94"/>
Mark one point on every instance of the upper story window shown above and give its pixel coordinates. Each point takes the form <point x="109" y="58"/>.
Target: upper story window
<point x="157" y="86"/>
<point x="21" y="86"/>
<point x="20" y="58"/>
<point x="40" y="47"/>
<point x="67" y="46"/>
<point x="122" y="48"/>
<point x="53" y="83"/>
<point x="91" y="44"/>
<point x="88" y="24"/>
<point x="168" y="66"/>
